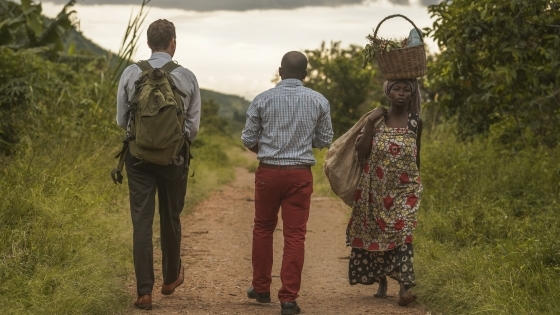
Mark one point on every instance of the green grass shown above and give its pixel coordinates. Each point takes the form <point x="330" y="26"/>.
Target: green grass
<point x="65" y="241"/>
<point x="321" y="185"/>
<point x="62" y="241"/>
<point x="487" y="241"/>
<point x="212" y="166"/>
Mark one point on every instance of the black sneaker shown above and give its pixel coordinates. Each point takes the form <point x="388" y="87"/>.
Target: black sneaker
<point x="260" y="297"/>
<point x="290" y="308"/>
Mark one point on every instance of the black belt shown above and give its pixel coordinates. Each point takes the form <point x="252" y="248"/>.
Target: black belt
<point x="284" y="167"/>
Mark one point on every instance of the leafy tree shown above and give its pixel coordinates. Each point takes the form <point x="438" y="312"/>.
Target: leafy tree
<point x="23" y="27"/>
<point x="337" y="74"/>
<point x="498" y="68"/>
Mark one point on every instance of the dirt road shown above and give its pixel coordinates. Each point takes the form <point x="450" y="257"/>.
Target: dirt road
<point x="217" y="260"/>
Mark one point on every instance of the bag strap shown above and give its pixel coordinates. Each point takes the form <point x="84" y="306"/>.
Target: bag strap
<point x="168" y="67"/>
<point x="144" y="65"/>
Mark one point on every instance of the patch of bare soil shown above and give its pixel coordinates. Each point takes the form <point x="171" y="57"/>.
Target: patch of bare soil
<point x="216" y="255"/>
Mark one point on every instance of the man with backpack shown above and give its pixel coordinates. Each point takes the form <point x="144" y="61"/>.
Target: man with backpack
<point x="158" y="104"/>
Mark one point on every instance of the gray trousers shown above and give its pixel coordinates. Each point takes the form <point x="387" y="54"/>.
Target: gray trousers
<point x="170" y="182"/>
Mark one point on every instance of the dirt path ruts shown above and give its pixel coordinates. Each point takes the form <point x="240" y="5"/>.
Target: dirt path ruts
<point x="217" y="260"/>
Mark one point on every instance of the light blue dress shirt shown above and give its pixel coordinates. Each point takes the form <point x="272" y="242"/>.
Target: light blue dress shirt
<point x="286" y="122"/>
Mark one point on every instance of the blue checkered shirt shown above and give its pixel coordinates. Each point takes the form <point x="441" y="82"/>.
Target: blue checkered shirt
<point x="286" y="122"/>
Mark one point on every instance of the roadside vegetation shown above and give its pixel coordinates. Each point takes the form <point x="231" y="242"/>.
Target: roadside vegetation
<point x="65" y="237"/>
<point x="487" y="240"/>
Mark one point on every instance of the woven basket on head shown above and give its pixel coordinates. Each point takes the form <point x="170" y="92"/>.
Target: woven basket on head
<point x="402" y="63"/>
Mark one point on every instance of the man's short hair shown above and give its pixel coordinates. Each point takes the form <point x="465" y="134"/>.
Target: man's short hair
<point x="160" y="34"/>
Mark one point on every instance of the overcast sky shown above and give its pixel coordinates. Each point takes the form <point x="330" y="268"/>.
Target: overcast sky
<point x="243" y="5"/>
<point x="239" y="52"/>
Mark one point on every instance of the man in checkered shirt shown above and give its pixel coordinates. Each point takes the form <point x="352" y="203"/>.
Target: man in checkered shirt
<point x="283" y="125"/>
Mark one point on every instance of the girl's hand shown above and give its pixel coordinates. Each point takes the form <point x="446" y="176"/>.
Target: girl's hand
<point x="376" y="114"/>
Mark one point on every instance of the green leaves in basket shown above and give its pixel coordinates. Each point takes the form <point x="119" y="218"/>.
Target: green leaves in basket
<point x="380" y="45"/>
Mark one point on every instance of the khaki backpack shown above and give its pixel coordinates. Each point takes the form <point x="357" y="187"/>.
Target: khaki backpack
<point x="156" y="128"/>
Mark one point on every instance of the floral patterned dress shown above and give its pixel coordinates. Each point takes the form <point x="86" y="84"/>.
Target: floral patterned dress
<point x="385" y="208"/>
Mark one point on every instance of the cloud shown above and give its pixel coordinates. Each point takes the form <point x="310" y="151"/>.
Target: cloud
<point x="238" y="5"/>
<point x="401" y="2"/>
<point x="429" y="2"/>
<point x="407" y="2"/>
<point x="228" y="5"/>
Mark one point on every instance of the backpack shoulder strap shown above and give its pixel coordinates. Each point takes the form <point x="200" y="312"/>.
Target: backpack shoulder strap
<point x="168" y="67"/>
<point x="144" y="65"/>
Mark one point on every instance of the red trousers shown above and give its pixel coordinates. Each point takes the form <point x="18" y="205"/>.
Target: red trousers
<point x="290" y="189"/>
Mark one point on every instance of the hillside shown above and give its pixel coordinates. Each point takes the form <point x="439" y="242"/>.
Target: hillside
<point x="231" y="106"/>
<point x="82" y="44"/>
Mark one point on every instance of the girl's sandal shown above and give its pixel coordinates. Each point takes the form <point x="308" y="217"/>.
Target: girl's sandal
<point x="407" y="298"/>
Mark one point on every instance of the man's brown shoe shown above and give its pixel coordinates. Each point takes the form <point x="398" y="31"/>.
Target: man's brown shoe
<point x="168" y="289"/>
<point x="144" y="302"/>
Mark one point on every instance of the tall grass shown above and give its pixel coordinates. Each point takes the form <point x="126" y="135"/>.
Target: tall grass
<point x="62" y="236"/>
<point x="488" y="228"/>
<point x="65" y="239"/>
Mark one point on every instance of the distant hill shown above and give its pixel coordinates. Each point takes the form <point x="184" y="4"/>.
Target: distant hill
<point x="232" y="107"/>
<point x="83" y="44"/>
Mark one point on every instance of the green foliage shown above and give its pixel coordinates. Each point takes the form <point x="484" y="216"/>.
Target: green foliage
<point x="35" y="96"/>
<point x="380" y="45"/>
<point x="210" y="121"/>
<point x="24" y="27"/>
<point x="231" y="107"/>
<point x="321" y="185"/>
<point x="487" y="240"/>
<point x="337" y="74"/>
<point x="62" y="240"/>
<point x="498" y="68"/>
